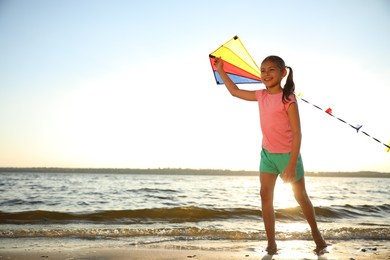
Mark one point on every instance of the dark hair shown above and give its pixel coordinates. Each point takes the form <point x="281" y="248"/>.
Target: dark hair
<point x="289" y="87"/>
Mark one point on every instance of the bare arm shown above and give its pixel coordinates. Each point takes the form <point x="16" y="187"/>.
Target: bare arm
<point x="293" y="116"/>
<point x="231" y="86"/>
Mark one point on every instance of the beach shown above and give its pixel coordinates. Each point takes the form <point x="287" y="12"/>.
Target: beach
<point x="293" y="249"/>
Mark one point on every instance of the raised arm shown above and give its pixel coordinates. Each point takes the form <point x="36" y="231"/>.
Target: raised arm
<point x="231" y="86"/>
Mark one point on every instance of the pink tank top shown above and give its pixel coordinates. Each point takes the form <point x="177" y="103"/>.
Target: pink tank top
<point x="274" y="122"/>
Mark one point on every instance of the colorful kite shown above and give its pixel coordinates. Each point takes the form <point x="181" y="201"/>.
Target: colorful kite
<point x="242" y="69"/>
<point x="238" y="64"/>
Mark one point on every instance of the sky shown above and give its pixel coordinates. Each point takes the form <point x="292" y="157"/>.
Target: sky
<point x="128" y="84"/>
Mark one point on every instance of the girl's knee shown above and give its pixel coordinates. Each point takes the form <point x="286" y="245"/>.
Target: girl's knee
<point x="301" y="196"/>
<point x="267" y="185"/>
<point x="299" y="191"/>
<point x="266" y="194"/>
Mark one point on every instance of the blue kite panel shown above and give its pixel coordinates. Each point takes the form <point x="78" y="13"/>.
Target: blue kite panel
<point x="236" y="79"/>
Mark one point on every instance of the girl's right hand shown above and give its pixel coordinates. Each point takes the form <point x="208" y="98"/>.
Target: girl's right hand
<point x="218" y="63"/>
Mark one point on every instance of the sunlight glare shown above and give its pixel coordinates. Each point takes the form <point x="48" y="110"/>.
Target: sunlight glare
<point x="284" y="197"/>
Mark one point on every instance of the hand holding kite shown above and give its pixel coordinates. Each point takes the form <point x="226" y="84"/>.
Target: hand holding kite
<point x="218" y="63"/>
<point x="237" y="63"/>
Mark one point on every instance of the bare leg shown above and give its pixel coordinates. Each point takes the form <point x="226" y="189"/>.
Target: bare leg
<point x="267" y="186"/>
<point x="303" y="200"/>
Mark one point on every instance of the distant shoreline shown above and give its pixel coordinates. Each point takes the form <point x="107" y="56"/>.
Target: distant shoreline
<point x="180" y="171"/>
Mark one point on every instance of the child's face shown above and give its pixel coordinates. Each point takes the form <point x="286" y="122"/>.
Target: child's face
<point x="271" y="74"/>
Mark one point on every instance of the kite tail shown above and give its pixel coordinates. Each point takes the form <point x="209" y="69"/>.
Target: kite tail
<point x="357" y="127"/>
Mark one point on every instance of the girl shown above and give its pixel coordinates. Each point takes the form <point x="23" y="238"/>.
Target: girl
<point x="280" y="125"/>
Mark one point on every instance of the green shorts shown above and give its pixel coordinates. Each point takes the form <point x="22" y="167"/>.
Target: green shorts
<point x="275" y="163"/>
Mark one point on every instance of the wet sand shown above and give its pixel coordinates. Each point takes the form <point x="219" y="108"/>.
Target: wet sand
<point x="295" y="249"/>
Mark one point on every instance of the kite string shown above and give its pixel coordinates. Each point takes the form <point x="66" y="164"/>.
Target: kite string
<point x="357" y="127"/>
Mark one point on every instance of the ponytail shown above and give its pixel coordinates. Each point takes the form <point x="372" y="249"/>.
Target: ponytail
<point x="289" y="87"/>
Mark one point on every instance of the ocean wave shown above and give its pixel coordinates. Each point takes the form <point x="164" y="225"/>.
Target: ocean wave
<point x="191" y="233"/>
<point x="189" y="214"/>
<point x="171" y="215"/>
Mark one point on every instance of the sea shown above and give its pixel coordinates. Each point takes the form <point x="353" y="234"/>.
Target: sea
<point x="142" y="209"/>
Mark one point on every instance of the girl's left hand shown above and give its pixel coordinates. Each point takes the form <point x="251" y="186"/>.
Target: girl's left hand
<point x="289" y="174"/>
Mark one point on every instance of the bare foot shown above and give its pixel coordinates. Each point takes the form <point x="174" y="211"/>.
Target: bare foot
<point x="319" y="240"/>
<point x="321" y="250"/>
<point x="272" y="250"/>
